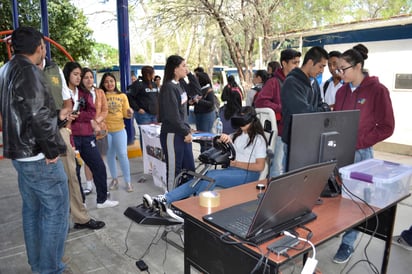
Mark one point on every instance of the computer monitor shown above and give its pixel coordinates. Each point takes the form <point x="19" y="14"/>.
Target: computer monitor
<point x="323" y="136"/>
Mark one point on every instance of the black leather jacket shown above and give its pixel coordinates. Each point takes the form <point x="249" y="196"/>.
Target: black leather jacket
<point x="29" y="116"/>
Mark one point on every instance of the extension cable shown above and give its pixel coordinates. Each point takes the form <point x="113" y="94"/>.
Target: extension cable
<point x="311" y="263"/>
<point x="310" y="266"/>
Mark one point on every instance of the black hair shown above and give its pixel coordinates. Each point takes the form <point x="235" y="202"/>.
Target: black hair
<point x="334" y="53"/>
<point x="255" y="127"/>
<point x="355" y="55"/>
<point x="147" y="75"/>
<point x="233" y="104"/>
<point x="231" y="81"/>
<point x="274" y="65"/>
<point x="289" y="54"/>
<point x="157" y="77"/>
<point x="25" y="40"/>
<point x="199" y="69"/>
<point x="108" y="74"/>
<point x="203" y="78"/>
<point x="68" y="68"/>
<point x="316" y="54"/>
<point x="263" y="74"/>
<point x="172" y="62"/>
<point x="84" y="71"/>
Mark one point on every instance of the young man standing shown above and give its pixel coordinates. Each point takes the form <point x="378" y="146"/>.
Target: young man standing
<point x="62" y="99"/>
<point x="329" y="88"/>
<point x="269" y="97"/>
<point x="32" y="140"/>
<point x="300" y="92"/>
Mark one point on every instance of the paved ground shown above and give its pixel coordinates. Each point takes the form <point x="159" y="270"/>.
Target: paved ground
<point x="116" y="248"/>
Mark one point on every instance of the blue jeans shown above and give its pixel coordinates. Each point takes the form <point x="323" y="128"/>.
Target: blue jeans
<point x="86" y="145"/>
<point x="117" y="146"/>
<point x="350" y="236"/>
<point x="143" y="119"/>
<point x="204" y="122"/>
<point x="45" y="195"/>
<point x="277" y="166"/>
<point x="228" y="177"/>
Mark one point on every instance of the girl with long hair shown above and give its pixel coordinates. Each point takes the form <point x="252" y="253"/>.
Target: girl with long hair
<point x="175" y="133"/>
<point x="83" y="131"/>
<point x="119" y="109"/>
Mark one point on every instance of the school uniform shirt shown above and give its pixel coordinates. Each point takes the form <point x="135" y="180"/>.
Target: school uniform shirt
<point x="173" y="109"/>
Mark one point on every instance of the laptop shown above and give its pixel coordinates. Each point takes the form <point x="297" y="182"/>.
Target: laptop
<point x="286" y="203"/>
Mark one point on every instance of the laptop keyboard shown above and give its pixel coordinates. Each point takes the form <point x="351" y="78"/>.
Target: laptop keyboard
<point x="241" y="225"/>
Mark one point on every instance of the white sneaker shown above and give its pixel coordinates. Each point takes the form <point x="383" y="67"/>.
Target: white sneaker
<point x="107" y="203"/>
<point x="147" y="201"/>
<point x="172" y="214"/>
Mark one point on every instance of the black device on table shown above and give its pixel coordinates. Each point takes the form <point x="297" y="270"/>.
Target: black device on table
<point x="323" y="136"/>
<point x="287" y="203"/>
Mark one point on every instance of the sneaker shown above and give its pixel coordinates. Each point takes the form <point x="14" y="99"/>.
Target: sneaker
<point x="159" y="202"/>
<point x="107" y="203"/>
<point x="129" y="187"/>
<point x="171" y="213"/>
<point x="114" y="184"/>
<point x="343" y="255"/>
<point x="147" y="201"/>
<point x="399" y="241"/>
<point x="89" y="188"/>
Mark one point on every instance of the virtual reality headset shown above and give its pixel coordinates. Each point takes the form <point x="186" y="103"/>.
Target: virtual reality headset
<point x="241" y="120"/>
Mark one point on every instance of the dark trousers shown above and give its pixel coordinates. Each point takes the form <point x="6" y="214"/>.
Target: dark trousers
<point x="178" y="155"/>
<point x="86" y="145"/>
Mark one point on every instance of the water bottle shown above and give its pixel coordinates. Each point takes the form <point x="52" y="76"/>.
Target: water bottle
<point x="219" y="126"/>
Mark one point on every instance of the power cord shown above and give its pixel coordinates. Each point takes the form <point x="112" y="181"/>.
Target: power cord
<point x="311" y="262"/>
<point x="371" y="265"/>
<point x="139" y="261"/>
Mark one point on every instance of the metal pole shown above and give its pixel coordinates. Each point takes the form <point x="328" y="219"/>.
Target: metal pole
<point x="124" y="57"/>
<point x="45" y="24"/>
<point x="15" y="12"/>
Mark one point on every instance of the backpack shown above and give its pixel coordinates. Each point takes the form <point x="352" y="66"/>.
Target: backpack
<point x="325" y="86"/>
<point x="237" y="89"/>
<point x="258" y="89"/>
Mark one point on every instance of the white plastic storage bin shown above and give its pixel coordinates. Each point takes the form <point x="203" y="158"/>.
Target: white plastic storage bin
<point x="376" y="181"/>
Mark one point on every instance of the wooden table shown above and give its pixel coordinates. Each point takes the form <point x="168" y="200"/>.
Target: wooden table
<point x="204" y="250"/>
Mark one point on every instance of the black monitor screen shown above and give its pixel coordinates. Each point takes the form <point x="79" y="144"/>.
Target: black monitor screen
<point x="323" y="136"/>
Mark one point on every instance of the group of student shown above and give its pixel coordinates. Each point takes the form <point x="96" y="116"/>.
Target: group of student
<point x="294" y="90"/>
<point x="290" y="89"/>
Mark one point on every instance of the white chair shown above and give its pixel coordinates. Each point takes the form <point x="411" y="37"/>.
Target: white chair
<point x="268" y="119"/>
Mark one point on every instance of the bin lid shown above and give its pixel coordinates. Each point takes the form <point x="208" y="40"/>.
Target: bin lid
<point x="376" y="171"/>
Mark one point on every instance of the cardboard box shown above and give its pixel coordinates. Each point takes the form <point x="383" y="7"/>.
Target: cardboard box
<point x="377" y="182"/>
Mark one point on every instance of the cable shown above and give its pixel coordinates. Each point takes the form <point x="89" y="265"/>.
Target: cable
<point x="287" y="233"/>
<point x="372" y="235"/>
<point x="311" y="262"/>
<point x="240" y="242"/>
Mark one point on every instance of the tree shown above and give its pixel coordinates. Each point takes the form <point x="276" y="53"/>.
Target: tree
<point x="67" y="26"/>
<point x="235" y="26"/>
<point x="101" y="56"/>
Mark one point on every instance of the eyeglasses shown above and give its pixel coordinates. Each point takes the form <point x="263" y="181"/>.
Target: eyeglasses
<point x="342" y="70"/>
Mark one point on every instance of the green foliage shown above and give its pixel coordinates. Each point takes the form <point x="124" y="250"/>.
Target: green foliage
<point x="101" y="55"/>
<point x="67" y="26"/>
<point x="139" y="59"/>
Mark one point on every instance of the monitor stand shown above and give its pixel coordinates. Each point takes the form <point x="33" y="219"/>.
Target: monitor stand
<point x="333" y="187"/>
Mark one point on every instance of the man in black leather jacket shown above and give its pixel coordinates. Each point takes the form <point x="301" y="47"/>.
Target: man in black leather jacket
<point x="31" y="139"/>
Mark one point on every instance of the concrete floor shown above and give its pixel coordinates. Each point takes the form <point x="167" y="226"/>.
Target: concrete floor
<point x="115" y="248"/>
